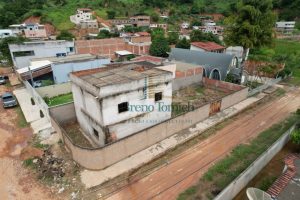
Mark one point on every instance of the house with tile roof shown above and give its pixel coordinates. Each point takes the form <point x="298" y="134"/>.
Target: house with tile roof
<point x="207" y="46"/>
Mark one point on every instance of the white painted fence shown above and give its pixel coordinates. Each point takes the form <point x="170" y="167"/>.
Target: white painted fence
<point x="243" y="179"/>
<point x="264" y="86"/>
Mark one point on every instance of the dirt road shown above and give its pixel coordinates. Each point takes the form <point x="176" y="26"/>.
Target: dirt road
<point x="186" y="169"/>
<point x="16" y="182"/>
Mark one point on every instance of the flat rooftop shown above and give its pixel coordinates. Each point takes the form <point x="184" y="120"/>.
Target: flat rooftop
<point x="119" y="74"/>
<point x="69" y="58"/>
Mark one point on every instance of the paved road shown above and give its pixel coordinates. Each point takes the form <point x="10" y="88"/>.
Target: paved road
<point x="185" y="170"/>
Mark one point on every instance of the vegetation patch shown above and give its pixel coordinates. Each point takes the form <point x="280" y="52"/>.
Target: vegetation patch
<point x="282" y="51"/>
<point x="59" y="100"/>
<point x="21" y="122"/>
<point x="225" y="171"/>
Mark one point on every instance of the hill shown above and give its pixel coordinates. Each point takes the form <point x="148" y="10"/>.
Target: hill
<point x="57" y="12"/>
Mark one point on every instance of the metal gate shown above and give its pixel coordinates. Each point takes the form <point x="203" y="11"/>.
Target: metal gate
<point x="215" y="107"/>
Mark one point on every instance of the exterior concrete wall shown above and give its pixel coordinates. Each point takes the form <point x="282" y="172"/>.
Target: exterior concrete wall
<point x="234" y="98"/>
<point x="179" y="83"/>
<point x="124" y="124"/>
<point x="196" y="48"/>
<point x="54" y="90"/>
<point x="40" y="49"/>
<point x="63" y="113"/>
<point x="169" y="68"/>
<point x="100" y="158"/>
<point x="61" y="70"/>
<point x="36" y="33"/>
<point x="187" y="78"/>
<point x="99" y="111"/>
<point x="38" y="100"/>
<point x="108" y="155"/>
<point x="243" y="179"/>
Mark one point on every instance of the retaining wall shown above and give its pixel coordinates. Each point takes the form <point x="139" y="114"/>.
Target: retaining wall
<point x="63" y="113"/>
<point x="243" y="179"/>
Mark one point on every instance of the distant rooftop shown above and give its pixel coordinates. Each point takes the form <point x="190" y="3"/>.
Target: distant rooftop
<point x="208" y="46"/>
<point x="149" y="58"/>
<point x="116" y="74"/>
<point x="183" y="66"/>
<point x="69" y="58"/>
<point x="84" y="9"/>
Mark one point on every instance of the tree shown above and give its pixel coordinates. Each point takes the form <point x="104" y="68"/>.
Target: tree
<point x="173" y="37"/>
<point x="183" y="44"/>
<point x="111" y="14"/>
<point x="104" y="34"/>
<point x="65" y="35"/>
<point x="154" y="17"/>
<point x="4" y="49"/>
<point x="159" y="47"/>
<point x="199" y="36"/>
<point x="251" y="26"/>
<point x="295" y="137"/>
<point x="157" y="33"/>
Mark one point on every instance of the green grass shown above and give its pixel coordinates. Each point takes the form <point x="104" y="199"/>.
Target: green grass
<point x="266" y="183"/>
<point x="21" y="122"/>
<point x="226" y="170"/>
<point x="188" y="192"/>
<point x="58" y="100"/>
<point x="282" y="51"/>
<point x="28" y="162"/>
<point x="101" y="13"/>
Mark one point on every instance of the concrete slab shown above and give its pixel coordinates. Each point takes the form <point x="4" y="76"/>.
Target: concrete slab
<point x="14" y="80"/>
<point x="94" y="178"/>
<point x="41" y="126"/>
<point x="31" y="112"/>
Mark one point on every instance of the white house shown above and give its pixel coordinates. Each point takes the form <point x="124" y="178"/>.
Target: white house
<point x="185" y="25"/>
<point x="285" y="26"/>
<point x="82" y="15"/>
<point x="209" y="23"/>
<point x="6" y="33"/>
<point x="23" y="53"/>
<point x="114" y="102"/>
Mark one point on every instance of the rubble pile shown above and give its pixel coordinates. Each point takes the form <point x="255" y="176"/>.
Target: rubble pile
<point x="49" y="166"/>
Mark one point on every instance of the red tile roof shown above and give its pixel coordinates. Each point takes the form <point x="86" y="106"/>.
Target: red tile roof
<point x="87" y="9"/>
<point x="208" y="46"/>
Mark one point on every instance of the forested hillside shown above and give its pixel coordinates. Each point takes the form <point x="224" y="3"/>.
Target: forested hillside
<point x="58" y="11"/>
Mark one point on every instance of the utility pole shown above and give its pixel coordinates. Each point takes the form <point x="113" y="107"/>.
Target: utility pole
<point x="31" y="78"/>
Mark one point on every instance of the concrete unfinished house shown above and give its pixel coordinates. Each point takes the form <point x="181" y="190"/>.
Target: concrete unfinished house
<point x="115" y="102"/>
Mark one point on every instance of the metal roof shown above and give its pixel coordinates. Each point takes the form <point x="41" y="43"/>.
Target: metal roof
<point x="207" y="60"/>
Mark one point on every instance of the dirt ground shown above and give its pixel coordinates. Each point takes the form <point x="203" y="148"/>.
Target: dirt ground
<point x="185" y="170"/>
<point x="16" y="182"/>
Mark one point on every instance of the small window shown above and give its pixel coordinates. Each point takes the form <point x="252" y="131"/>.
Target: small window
<point x="158" y="96"/>
<point x="123" y="107"/>
<point x="96" y="133"/>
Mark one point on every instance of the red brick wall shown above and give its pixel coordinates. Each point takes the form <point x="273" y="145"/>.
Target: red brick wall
<point x="107" y="47"/>
<point x="141" y="39"/>
<point x="222" y="84"/>
<point x="103" y="47"/>
<point x="189" y="72"/>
